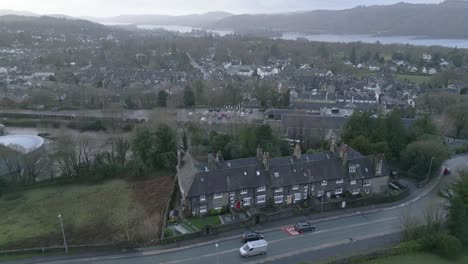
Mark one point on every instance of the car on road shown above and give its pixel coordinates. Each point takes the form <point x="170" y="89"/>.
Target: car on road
<point x="447" y="171"/>
<point x="253" y="248"/>
<point x="302" y="227"/>
<point x="250" y="236"/>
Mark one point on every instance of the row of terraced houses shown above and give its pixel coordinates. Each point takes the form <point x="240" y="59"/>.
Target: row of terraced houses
<point x="262" y="181"/>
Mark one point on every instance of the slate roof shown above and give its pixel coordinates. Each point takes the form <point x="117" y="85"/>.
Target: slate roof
<point x="197" y="179"/>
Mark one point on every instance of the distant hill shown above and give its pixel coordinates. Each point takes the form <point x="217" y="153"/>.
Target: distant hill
<point x="194" y="20"/>
<point x="445" y="20"/>
<point x="4" y="12"/>
<point x="47" y="24"/>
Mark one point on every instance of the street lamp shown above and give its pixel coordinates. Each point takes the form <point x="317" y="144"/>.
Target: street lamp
<point x="217" y="256"/>
<point x="429" y="172"/>
<point x="323" y="194"/>
<point x="63" y="233"/>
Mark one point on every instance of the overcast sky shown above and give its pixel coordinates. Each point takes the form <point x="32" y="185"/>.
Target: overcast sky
<point x="104" y="8"/>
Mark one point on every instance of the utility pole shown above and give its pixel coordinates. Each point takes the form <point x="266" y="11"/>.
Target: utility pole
<point x="63" y="233"/>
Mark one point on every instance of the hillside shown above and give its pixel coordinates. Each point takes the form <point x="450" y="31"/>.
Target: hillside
<point x="194" y="20"/>
<point x="52" y="25"/>
<point x="445" y="20"/>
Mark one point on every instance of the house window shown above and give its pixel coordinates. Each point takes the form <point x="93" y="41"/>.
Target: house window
<point x="231" y="204"/>
<point x="261" y="199"/>
<point x="261" y="189"/>
<point x="203" y="209"/>
<point x="278" y="199"/>
<point x="339" y="191"/>
<point x="306" y="188"/>
<point x="339" y="181"/>
<point x="295" y="187"/>
<point x="353" y="182"/>
<point x="202" y="198"/>
<point x="356" y="192"/>
<point x="232" y="196"/>
<point x="218" y="206"/>
<point x="297" y="197"/>
<point x="324" y="183"/>
<point x="247" y="201"/>
<point x="312" y="188"/>
<point x="320" y="193"/>
<point x="279" y="189"/>
<point x="218" y="195"/>
<point x="367" y="183"/>
<point x="352" y="169"/>
<point x="244" y="191"/>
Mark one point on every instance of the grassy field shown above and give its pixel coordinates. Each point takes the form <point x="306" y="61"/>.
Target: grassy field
<point x="99" y="213"/>
<point x="413" y="78"/>
<point x="419" y="259"/>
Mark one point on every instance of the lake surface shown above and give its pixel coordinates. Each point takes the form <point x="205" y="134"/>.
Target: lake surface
<point x="412" y="40"/>
<point x="344" y="38"/>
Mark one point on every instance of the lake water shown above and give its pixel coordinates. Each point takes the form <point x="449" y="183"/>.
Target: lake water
<point x="412" y="40"/>
<point x="344" y="38"/>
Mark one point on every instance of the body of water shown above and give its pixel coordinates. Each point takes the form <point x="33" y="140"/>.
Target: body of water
<point x="412" y="40"/>
<point x="344" y="38"/>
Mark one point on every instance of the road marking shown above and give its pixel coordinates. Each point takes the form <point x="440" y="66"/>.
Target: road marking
<point x="293" y="237"/>
<point x="323" y="246"/>
<point x="291" y="231"/>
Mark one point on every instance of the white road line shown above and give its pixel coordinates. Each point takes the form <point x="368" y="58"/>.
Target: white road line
<point x="323" y="246"/>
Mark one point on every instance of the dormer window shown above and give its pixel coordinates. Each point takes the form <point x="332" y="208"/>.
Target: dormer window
<point x="276" y="174"/>
<point x="202" y="198"/>
<point x="352" y="169"/>
<point x="258" y="173"/>
<point x="245" y="173"/>
<point x="324" y="183"/>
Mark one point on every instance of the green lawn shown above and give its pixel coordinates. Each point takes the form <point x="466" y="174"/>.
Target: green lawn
<point x="419" y="259"/>
<point x="200" y="222"/>
<point x="413" y="78"/>
<point x="29" y="219"/>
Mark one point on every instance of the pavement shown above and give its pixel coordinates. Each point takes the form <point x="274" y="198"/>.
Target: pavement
<point x="338" y="234"/>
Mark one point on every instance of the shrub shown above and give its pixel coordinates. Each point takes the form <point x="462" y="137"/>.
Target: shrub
<point x="168" y="232"/>
<point x="448" y="246"/>
<point x="410" y="247"/>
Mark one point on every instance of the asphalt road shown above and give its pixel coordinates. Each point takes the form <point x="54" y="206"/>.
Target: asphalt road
<point x="334" y="237"/>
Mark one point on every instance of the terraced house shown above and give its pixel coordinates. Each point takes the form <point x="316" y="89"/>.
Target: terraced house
<point x="262" y="181"/>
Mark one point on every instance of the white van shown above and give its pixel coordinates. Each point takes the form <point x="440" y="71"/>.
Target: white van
<point x="253" y="248"/>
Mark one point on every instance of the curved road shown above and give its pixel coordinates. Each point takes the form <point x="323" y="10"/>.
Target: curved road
<point x="361" y="230"/>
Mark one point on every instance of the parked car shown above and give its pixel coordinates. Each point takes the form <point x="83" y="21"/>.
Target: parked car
<point x="447" y="171"/>
<point x="251" y="236"/>
<point x="304" y="227"/>
<point x="253" y="248"/>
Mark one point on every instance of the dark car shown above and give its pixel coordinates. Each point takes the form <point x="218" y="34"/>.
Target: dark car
<point x="251" y="236"/>
<point x="304" y="227"/>
<point x="447" y="171"/>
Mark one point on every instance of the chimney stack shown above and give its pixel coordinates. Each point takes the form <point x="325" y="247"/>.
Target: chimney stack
<point x="297" y="152"/>
<point x="259" y="153"/>
<point x="211" y="162"/>
<point x="379" y="158"/>
<point x="333" y="145"/>
<point x="266" y="161"/>
<point x="219" y="158"/>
